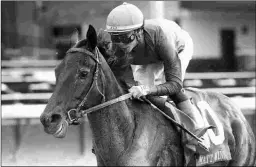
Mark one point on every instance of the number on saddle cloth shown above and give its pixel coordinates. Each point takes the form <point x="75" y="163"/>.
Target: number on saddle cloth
<point x="181" y="117"/>
<point x="207" y="112"/>
<point x="218" y="151"/>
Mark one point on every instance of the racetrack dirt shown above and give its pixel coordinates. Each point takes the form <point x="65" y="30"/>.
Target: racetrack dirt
<point x="39" y="149"/>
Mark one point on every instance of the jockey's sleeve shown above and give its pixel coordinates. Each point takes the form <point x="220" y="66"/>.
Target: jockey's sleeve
<point x="172" y="66"/>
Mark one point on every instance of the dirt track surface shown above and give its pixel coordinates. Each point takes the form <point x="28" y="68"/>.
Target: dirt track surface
<point x="39" y="149"/>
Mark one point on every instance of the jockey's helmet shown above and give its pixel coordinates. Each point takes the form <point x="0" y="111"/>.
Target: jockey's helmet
<point x="124" y="18"/>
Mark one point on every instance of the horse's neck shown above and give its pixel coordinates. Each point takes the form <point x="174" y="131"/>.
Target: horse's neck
<point x="112" y="127"/>
<point x="116" y="126"/>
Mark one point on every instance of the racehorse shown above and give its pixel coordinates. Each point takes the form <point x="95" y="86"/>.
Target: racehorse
<point x="130" y="132"/>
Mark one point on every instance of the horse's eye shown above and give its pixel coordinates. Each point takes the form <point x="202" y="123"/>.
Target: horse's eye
<point x="83" y="74"/>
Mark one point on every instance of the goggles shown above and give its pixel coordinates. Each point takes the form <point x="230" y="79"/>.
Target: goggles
<point x="122" y="38"/>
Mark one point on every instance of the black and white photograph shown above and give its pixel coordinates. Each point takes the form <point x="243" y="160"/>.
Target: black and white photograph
<point x="128" y="83"/>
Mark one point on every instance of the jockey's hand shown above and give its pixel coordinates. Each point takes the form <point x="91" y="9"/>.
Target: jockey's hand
<point x="138" y="91"/>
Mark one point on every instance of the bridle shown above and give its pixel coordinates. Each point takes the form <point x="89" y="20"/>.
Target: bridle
<point x="80" y="113"/>
<point x="75" y="114"/>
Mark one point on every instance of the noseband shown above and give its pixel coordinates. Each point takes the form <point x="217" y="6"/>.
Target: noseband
<point x="74" y="115"/>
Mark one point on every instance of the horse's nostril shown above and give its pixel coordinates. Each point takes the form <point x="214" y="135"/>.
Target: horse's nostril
<point x="56" y="118"/>
<point x="44" y="120"/>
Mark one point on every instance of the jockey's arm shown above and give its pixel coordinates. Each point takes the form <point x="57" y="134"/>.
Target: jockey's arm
<point x="172" y="67"/>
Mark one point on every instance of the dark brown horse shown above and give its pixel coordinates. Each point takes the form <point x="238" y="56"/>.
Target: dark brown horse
<point x="130" y="132"/>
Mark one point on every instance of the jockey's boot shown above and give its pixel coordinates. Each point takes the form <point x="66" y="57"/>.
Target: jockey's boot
<point x="199" y="129"/>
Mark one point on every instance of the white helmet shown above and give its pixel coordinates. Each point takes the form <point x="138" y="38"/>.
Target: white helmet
<point x="124" y="18"/>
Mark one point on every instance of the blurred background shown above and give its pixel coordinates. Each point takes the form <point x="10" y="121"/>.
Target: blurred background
<point x="36" y="34"/>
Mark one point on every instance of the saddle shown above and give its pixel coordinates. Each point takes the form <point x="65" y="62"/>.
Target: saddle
<point x="218" y="151"/>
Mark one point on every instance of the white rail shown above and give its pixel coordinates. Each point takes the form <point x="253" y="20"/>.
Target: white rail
<point x="49" y="79"/>
<point x="45" y="96"/>
<point x="232" y="90"/>
<point x="26" y="96"/>
<point x="20" y="70"/>
<point x="19" y="110"/>
<point x="40" y="76"/>
<point x="22" y="111"/>
<point x="220" y="75"/>
<point x="190" y="75"/>
<point x="30" y="63"/>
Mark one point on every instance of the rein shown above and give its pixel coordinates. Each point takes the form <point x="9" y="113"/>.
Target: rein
<point x="78" y="113"/>
<point x="105" y="104"/>
<point x="75" y="114"/>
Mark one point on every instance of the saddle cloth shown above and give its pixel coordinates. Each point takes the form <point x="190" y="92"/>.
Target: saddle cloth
<point x="215" y="138"/>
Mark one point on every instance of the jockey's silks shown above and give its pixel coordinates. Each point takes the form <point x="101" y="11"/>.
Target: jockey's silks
<point x="155" y="59"/>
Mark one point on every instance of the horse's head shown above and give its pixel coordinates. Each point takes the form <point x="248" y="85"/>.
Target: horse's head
<point x="78" y="78"/>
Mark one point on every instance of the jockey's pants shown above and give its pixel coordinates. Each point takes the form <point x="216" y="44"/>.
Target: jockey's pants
<point x="186" y="55"/>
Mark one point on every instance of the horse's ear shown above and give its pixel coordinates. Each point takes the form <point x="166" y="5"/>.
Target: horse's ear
<point x="74" y="38"/>
<point x="92" y="36"/>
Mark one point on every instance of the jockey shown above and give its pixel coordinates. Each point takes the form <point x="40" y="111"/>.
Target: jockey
<point x="160" y="52"/>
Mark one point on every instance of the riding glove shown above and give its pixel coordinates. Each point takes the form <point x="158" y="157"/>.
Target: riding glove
<point x="138" y="91"/>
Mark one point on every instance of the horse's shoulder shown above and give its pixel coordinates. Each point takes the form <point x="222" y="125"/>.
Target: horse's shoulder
<point x="147" y="116"/>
